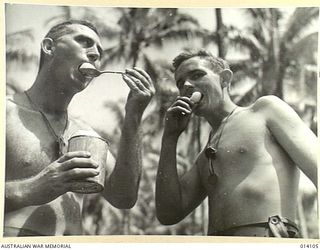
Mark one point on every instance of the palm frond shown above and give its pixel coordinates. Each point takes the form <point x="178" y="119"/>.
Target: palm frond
<point x="248" y="41"/>
<point x="256" y="13"/>
<point x="18" y="44"/>
<point x="298" y="21"/>
<point x="209" y="38"/>
<point x="183" y="17"/>
<point x="298" y="49"/>
<point x="176" y="33"/>
<point x="245" y="66"/>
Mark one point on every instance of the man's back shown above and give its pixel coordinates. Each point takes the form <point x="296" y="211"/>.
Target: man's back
<point x="256" y="177"/>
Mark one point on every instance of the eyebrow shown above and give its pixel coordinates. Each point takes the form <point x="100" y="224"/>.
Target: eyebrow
<point x="188" y="73"/>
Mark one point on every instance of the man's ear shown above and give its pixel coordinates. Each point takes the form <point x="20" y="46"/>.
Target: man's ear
<point x="225" y="78"/>
<point x="47" y="46"/>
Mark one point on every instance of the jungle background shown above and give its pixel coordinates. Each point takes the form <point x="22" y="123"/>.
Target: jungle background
<point x="271" y="51"/>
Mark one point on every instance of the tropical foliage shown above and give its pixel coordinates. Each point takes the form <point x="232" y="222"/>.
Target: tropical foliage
<point x="272" y="48"/>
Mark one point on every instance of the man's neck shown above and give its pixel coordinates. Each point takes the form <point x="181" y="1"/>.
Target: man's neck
<point x="49" y="97"/>
<point x="220" y="113"/>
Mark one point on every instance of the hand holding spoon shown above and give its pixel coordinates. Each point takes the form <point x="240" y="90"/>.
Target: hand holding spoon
<point x="90" y="70"/>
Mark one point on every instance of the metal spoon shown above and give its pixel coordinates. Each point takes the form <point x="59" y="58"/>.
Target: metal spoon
<point x="90" y="70"/>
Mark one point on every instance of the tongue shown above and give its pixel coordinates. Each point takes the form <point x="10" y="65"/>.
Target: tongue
<point x="196" y="97"/>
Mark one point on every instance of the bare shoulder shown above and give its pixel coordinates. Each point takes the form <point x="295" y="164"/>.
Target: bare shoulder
<point x="269" y="102"/>
<point x="10" y="104"/>
<point x="79" y="123"/>
<point x="76" y="124"/>
<point x="275" y="110"/>
<point x="14" y="102"/>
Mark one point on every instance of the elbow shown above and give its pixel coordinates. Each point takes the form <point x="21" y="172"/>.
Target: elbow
<point x="167" y="220"/>
<point x="122" y="202"/>
<point x="168" y="213"/>
<point x="119" y="197"/>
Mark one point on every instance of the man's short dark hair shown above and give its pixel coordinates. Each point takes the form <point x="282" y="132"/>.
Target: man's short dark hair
<point x="62" y="29"/>
<point x="217" y="64"/>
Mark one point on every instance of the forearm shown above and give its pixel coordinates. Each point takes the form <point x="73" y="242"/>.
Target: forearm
<point x="122" y="186"/>
<point x="18" y="194"/>
<point x="168" y="188"/>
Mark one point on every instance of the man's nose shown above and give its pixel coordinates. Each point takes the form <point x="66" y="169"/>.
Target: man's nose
<point x="188" y="84"/>
<point x="187" y="88"/>
<point x="93" y="55"/>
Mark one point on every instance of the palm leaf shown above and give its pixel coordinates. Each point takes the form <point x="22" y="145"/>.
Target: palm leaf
<point x="298" y="21"/>
<point x="298" y="49"/>
<point x="248" y="41"/>
<point x="17" y="45"/>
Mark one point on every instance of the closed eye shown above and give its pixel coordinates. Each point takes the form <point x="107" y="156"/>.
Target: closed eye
<point x="180" y="83"/>
<point x="196" y="75"/>
<point x="85" y="41"/>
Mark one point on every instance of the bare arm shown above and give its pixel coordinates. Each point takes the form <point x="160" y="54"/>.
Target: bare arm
<point x="53" y="181"/>
<point x="123" y="184"/>
<point x="292" y="134"/>
<point x="176" y="197"/>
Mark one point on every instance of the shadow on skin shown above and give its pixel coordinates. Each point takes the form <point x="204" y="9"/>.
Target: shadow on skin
<point x="41" y="218"/>
<point x="71" y="210"/>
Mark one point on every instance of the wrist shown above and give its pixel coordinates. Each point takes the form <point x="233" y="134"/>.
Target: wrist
<point x="17" y="194"/>
<point x="132" y="120"/>
<point x="172" y="136"/>
<point x="134" y="113"/>
<point x="135" y="107"/>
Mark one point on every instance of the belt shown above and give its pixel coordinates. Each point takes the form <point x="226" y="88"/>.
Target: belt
<point x="276" y="226"/>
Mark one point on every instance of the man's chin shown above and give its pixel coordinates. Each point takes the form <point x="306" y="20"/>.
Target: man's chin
<point x="80" y="86"/>
<point x="198" y="109"/>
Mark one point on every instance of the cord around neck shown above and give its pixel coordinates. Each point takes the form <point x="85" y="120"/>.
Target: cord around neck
<point x="59" y="138"/>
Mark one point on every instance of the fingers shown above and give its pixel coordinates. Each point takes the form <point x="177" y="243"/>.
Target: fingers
<point x="134" y="85"/>
<point x="76" y="159"/>
<point x="70" y="155"/>
<point x="182" y="105"/>
<point x="185" y="100"/>
<point x="77" y="174"/>
<point x="141" y="74"/>
<point x="180" y="110"/>
<point x="138" y="80"/>
<point x="78" y="163"/>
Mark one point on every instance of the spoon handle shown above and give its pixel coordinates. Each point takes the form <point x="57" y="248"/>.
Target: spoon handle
<point x="112" y="72"/>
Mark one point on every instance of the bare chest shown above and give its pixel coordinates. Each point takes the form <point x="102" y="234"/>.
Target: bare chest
<point x="236" y="148"/>
<point x="30" y="146"/>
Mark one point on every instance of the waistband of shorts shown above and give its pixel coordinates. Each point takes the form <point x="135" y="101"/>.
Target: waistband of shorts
<point x="261" y="227"/>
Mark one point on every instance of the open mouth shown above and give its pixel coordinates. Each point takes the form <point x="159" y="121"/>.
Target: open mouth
<point x="87" y="69"/>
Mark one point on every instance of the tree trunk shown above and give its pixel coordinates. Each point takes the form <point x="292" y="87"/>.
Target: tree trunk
<point x="220" y="34"/>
